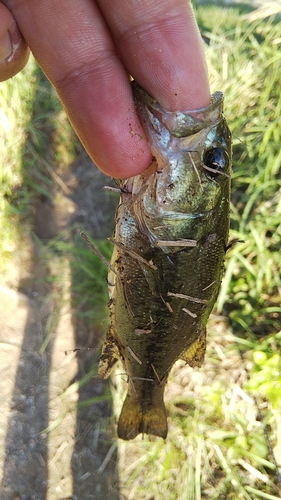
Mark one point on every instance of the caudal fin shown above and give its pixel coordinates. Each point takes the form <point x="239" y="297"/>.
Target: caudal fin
<point x="135" y="420"/>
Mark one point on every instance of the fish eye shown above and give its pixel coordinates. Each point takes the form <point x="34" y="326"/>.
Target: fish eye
<point x="215" y="162"/>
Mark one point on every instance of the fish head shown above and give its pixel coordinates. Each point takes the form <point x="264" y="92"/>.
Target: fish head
<point x="190" y="174"/>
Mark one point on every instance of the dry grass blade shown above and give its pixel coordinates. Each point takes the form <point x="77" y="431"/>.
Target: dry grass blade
<point x="196" y="300"/>
<point x="97" y="252"/>
<point x="175" y="243"/>
<point x="133" y="254"/>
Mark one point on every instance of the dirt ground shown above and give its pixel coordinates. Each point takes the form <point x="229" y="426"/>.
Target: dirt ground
<point x="49" y="449"/>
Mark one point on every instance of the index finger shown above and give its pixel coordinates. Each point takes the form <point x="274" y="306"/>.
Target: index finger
<point x="80" y="55"/>
<point x="162" y="48"/>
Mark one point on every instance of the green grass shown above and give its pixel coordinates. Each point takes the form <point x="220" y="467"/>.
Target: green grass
<point x="216" y="448"/>
<point x="88" y="276"/>
<point x="16" y="97"/>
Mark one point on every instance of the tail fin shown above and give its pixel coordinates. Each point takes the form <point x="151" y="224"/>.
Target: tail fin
<point x="134" y="419"/>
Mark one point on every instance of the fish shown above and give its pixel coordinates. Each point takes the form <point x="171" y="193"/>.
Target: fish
<point x="171" y="233"/>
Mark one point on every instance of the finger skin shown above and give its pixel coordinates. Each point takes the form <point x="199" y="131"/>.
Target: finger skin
<point x="80" y="55"/>
<point x="162" y="48"/>
<point x="73" y="45"/>
<point x="14" y="52"/>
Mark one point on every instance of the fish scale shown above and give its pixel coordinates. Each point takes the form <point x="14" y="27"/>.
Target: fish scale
<point x="170" y="238"/>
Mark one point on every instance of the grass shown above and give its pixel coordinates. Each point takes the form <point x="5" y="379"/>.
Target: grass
<point x="216" y="448"/>
<point x="15" y="110"/>
<point x="248" y="59"/>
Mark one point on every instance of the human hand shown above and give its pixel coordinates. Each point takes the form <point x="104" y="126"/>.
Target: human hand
<point x="88" y="48"/>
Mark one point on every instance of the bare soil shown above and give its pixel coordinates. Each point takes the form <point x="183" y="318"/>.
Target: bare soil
<point x="51" y="445"/>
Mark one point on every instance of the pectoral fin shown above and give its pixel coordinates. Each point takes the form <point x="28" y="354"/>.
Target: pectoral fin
<point x="195" y="353"/>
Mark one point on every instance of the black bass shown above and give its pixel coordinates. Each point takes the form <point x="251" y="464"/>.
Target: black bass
<point x="170" y="239"/>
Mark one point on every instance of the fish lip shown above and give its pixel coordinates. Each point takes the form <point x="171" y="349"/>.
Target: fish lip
<point x="181" y="123"/>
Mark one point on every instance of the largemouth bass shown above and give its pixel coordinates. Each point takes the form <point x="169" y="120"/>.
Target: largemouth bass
<point x="170" y="239"/>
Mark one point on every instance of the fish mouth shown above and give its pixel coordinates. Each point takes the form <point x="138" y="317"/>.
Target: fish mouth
<point x="179" y="124"/>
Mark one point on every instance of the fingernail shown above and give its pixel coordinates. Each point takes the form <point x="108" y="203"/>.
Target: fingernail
<point x="5" y="47"/>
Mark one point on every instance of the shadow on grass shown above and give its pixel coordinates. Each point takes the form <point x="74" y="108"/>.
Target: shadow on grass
<point x="94" y="451"/>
